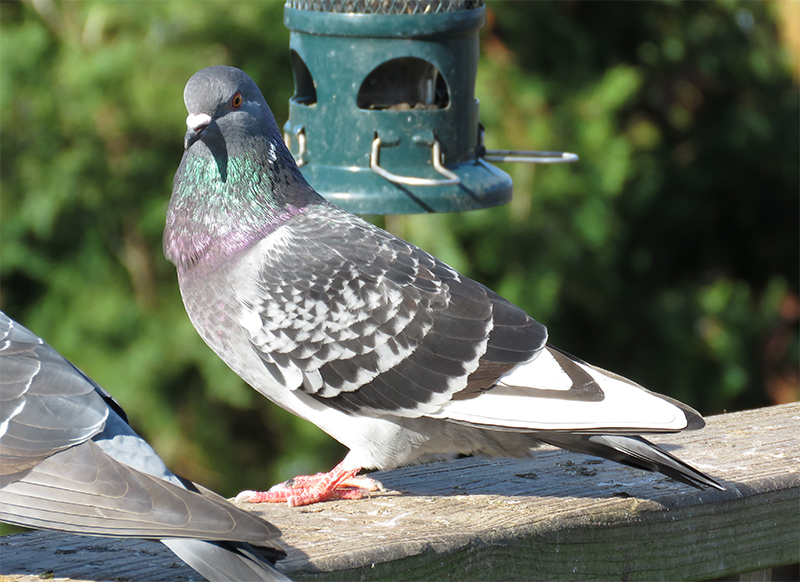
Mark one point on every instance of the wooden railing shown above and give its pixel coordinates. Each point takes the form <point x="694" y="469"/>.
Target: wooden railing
<point x="555" y="516"/>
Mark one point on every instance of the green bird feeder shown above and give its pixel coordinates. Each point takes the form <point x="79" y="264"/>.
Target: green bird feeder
<point x="384" y="118"/>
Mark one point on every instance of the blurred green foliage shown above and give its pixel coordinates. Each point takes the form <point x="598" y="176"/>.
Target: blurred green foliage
<point x="669" y="253"/>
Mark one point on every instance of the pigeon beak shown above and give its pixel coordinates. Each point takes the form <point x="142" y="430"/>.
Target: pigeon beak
<point x="195" y="126"/>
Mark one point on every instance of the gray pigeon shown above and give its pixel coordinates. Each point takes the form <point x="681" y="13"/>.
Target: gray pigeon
<point x="70" y="462"/>
<point x="385" y="348"/>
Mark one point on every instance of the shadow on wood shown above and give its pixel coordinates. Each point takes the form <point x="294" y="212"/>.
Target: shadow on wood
<point x="555" y="516"/>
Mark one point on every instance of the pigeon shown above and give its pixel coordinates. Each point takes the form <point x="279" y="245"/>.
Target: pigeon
<point x="390" y="351"/>
<point x="70" y="462"/>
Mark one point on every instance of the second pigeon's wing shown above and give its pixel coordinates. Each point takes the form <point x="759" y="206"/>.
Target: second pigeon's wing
<point x="47" y="405"/>
<point x="83" y="490"/>
<point x="57" y="472"/>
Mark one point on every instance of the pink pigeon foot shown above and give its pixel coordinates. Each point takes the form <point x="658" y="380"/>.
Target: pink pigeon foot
<point x="339" y="483"/>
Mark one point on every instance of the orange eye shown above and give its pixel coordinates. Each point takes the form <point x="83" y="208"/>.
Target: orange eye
<point x="236" y="102"/>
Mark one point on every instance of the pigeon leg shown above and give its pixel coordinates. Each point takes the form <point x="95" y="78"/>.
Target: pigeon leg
<point x="339" y="483"/>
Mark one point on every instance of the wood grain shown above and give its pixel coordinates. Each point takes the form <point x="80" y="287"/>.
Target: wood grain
<point x="554" y="516"/>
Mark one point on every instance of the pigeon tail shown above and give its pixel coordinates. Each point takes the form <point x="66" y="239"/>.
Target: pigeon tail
<point x="225" y="561"/>
<point x="633" y="451"/>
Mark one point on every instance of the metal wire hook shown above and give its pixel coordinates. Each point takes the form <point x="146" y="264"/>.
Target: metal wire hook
<point x="451" y="178"/>
<point x="531" y="157"/>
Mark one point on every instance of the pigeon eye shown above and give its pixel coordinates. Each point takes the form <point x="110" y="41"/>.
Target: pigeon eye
<point x="236" y="102"/>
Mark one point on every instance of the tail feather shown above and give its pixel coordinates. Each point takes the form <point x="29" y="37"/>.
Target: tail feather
<point x="633" y="451"/>
<point x="225" y="561"/>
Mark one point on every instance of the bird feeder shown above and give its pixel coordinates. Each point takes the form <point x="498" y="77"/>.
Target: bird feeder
<point x="384" y="118"/>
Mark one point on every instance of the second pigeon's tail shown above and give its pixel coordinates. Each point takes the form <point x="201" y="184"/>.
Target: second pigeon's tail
<point x="225" y="561"/>
<point x="633" y="451"/>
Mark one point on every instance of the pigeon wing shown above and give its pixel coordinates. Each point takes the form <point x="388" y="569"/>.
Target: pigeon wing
<point x="83" y="490"/>
<point x="47" y="405"/>
<point x="368" y="323"/>
<point x="53" y="475"/>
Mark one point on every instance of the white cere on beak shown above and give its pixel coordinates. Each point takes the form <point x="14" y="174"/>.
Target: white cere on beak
<point x="195" y="122"/>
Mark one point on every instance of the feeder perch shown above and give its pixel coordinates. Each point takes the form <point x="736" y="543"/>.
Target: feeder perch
<point x="384" y="118"/>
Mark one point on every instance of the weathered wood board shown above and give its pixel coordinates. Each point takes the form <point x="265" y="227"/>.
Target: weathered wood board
<point x="555" y="516"/>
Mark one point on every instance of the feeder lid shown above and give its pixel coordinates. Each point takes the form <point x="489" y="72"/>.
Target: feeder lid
<point x="384" y="18"/>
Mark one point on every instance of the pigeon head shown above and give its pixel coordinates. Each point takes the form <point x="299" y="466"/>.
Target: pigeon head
<point x="237" y="180"/>
<point x="223" y="100"/>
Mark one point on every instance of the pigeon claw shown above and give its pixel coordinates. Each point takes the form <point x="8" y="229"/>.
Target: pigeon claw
<point x="339" y="483"/>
